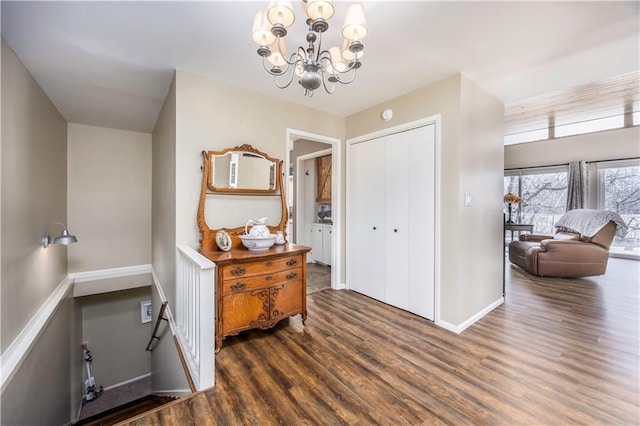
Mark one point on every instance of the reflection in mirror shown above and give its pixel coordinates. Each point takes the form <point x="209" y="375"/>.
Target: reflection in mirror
<point x="240" y="170"/>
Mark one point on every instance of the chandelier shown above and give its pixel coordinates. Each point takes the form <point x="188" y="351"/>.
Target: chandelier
<point x="314" y="66"/>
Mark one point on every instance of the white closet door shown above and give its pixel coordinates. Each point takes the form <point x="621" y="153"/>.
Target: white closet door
<point x="421" y="221"/>
<point x="367" y="218"/>
<point x="392" y="219"/>
<point x="397" y="229"/>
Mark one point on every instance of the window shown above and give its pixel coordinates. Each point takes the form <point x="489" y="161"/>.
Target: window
<point x="544" y="194"/>
<point x="573" y="124"/>
<point x="590" y="123"/>
<point x="527" y="136"/>
<point x="593" y="107"/>
<point x="619" y="191"/>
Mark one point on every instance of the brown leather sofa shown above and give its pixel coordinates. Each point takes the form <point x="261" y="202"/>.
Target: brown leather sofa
<point x="565" y="254"/>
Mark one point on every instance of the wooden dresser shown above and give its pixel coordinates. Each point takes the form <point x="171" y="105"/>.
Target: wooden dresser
<point x="258" y="289"/>
<point x="254" y="289"/>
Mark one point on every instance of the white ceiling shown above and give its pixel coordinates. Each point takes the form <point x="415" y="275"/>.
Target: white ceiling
<point x="110" y="63"/>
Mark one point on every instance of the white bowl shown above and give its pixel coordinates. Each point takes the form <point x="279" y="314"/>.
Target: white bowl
<point x="258" y="243"/>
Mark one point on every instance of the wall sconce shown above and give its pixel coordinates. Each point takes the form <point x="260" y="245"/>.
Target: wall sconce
<point x="64" y="238"/>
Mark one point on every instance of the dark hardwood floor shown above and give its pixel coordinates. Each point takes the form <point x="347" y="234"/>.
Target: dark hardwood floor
<point x="318" y="277"/>
<point x="560" y="351"/>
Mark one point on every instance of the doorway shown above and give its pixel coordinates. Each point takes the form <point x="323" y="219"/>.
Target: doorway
<point x="304" y="149"/>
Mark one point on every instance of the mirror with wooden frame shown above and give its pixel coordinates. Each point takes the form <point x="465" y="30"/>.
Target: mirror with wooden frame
<point x="241" y="170"/>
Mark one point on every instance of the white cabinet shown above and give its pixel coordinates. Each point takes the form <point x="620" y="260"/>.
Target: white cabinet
<point x="321" y="243"/>
<point x="391" y="219"/>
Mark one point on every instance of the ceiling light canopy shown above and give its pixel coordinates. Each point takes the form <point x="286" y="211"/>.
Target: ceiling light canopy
<point x="313" y="65"/>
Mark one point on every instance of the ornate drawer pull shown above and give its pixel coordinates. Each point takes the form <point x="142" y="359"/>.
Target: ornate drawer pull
<point x="268" y="278"/>
<point x="238" y="271"/>
<point x="239" y="286"/>
<point x="292" y="275"/>
<point x="269" y="263"/>
<point x="292" y="262"/>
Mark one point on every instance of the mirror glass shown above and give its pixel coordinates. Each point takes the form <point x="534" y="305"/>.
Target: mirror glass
<point x="242" y="171"/>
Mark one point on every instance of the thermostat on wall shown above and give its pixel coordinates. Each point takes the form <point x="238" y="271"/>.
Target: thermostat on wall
<point x="386" y="114"/>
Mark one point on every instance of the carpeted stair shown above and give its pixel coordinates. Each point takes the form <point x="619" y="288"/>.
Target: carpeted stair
<point x="126" y="411"/>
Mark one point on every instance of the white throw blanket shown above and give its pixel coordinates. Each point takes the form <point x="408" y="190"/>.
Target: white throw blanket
<point x="588" y="222"/>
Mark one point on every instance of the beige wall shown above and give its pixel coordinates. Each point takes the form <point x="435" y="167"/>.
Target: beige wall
<point x="605" y="145"/>
<point x="117" y="338"/>
<point x="163" y="201"/>
<point x="481" y="224"/>
<point x="34" y="185"/>
<point x="468" y="133"/>
<point x="109" y="197"/>
<point x="211" y="116"/>
<point x="34" y="188"/>
<point x="165" y="364"/>
<point x="40" y="392"/>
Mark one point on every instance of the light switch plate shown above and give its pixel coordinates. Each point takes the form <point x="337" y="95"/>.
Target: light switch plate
<point x="468" y="199"/>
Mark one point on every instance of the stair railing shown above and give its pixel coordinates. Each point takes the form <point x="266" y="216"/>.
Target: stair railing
<point x="195" y="314"/>
<point x="161" y="317"/>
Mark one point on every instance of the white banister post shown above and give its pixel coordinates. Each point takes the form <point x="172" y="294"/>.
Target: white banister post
<point x="195" y="293"/>
<point x="206" y="339"/>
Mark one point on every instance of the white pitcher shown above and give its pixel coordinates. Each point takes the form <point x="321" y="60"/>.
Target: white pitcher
<point x="259" y="228"/>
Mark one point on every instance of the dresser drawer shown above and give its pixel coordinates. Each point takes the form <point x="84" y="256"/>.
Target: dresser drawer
<point x="263" y="267"/>
<point x="236" y="285"/>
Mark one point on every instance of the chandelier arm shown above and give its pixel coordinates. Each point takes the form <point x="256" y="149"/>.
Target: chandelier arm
<point x="279" y="85"/>
<point x="293" y="59"/>
<point x="325" y="55"/>
<point x="340" y="74"/>
<point x="264" y="65"/>
<point x="324" y="84"/>
<point x="301" y="54"/>
<point x="352" y="67"/>
<point x="290" y="60"/>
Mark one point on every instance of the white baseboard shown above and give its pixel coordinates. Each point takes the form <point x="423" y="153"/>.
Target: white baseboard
<point x="341" y="286"/>
<point x="126" y="382"/>
<point x="16" y="353"/>
<point x="465" y="324"/>
<point x="628" y="256"/>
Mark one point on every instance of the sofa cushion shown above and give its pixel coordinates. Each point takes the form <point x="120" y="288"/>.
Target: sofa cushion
<point x="563" y="231"/>
<point x="566" y="236"/>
